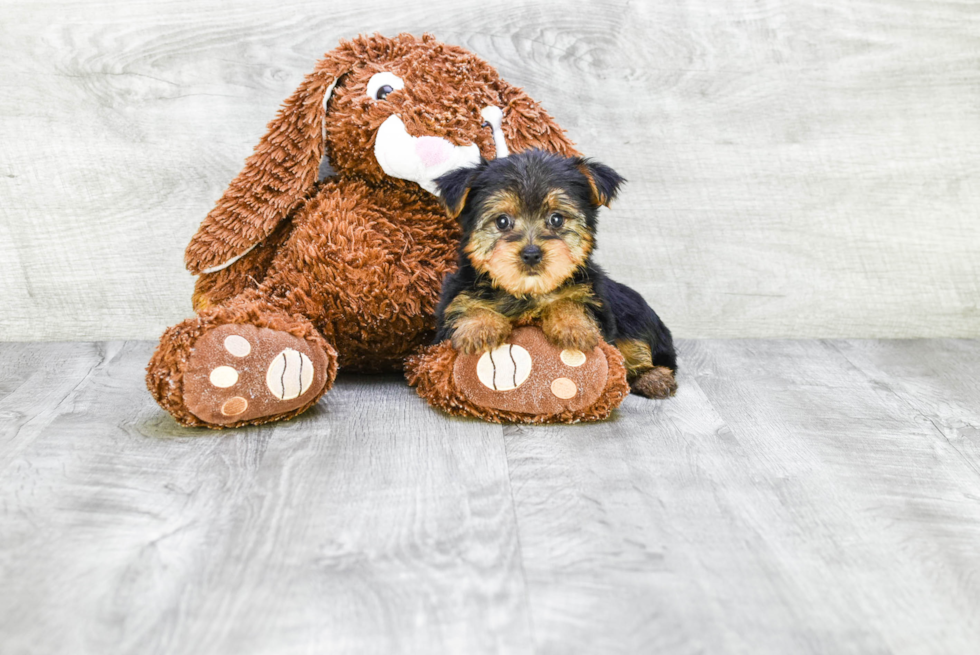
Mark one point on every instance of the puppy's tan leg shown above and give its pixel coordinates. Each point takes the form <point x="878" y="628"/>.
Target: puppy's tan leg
<point x="480" y="330"/>
<point x="569" y="325"/>
<point x="644" y="378"/>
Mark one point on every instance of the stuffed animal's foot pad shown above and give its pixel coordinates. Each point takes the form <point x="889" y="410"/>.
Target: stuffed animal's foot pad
<point x="239" y="372"/>
<point x="658" y="382"/>
<point x="529" y="379"/>
<point x="531" y="375"/>
<point x="290" y="374"/>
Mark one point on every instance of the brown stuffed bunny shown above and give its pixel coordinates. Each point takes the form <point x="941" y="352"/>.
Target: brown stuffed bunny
<point x="298" y="276"/>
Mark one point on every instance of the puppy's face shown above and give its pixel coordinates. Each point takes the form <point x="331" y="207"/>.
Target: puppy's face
<point x="529" y="240"/>
<point x="529" y="219"/>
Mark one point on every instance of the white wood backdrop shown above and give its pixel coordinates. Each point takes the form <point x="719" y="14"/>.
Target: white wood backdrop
<point x="803" y="169"/>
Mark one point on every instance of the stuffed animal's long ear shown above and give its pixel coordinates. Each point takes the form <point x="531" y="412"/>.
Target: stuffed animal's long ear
<point x="527" y="125"/>
<point x="276" y="177"/>
<point x="454" y="187"/>
<point x="603" y="181"/>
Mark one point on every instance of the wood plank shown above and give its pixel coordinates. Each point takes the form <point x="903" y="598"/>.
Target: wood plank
<point x="796" y="168"/>
<point x="37" y="380"/>
<point x="780" y="503"/>
<point x="370" y="524"/>
<point x="803" y="497"/>
<point x="612" y="522"/>
<point x="877" y="521"/>
<point x="938" y="378"/>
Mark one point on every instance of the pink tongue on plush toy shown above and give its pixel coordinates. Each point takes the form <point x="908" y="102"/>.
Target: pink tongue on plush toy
<point x="432" y="150"/>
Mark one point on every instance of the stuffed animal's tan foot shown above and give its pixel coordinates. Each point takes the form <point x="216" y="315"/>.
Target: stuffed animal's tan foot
<point x="658" y="382"/>
<point x="532" y="376"/>
<point x="242" y="373"/>
<point x="528" y="379"/>
<point x="240" y="365"/>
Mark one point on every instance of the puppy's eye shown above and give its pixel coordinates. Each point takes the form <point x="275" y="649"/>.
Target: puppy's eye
<point x="504" y="222"/>
<point x="381" y="84"/>
<point x="556" y="220"/>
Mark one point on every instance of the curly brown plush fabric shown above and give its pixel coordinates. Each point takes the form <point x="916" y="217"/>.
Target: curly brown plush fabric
<point x="352" y="264"/>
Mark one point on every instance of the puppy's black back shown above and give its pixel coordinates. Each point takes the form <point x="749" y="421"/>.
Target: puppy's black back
<point x="635" y="319"/>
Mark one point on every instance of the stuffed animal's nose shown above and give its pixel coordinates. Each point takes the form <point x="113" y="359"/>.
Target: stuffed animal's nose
<point x="433" y="150"/>
<point x="531" y="255"/>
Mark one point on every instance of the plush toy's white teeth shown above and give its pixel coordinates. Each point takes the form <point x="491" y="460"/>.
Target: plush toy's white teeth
<point x="419" y="159"/>
<point x="495" y="117"/>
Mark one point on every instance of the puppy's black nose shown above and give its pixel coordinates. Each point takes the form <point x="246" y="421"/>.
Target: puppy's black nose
<point x="531" y="255"/>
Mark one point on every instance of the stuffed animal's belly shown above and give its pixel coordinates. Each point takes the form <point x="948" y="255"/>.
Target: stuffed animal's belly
<point x="369" y="275"/>
<point x="379" y="315"/>
<point x="375" y="351"/>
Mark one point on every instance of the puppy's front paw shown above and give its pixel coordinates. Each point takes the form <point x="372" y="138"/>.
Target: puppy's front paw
<point x="571" y="329"/>
<point x="579" y="337"/>
<point x="480" y="332"/>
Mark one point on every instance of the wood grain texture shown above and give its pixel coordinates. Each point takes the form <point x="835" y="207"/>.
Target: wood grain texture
<point x="873" y="517"/>
<point x="369" y="525"/>
<point x="796" y="169"/>
<point x="782" y="502"/>
<point x="36" y="380"/>
<point x="939" y="380"/>
<point x="794" y="497"/>
<point x="612" y="564"/>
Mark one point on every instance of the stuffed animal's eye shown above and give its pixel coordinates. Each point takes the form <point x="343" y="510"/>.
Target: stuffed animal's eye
<point x="556" y="220"/>
<point x="381" y="84"/>
<point x="503" y="222"/>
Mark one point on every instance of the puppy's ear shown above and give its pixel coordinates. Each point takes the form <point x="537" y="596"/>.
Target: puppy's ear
<point x="455" y="186"/>
<point x="277" y="176"/>
<point x="603" y="181"/>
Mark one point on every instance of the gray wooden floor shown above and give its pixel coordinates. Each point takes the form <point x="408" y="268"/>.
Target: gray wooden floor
<point x="795" y="497"/>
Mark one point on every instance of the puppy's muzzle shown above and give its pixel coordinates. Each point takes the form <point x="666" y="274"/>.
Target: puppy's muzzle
<point x="531" y="255"/>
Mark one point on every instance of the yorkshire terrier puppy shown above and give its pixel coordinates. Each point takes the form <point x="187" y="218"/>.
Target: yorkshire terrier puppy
<point x="529" y="224"/>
